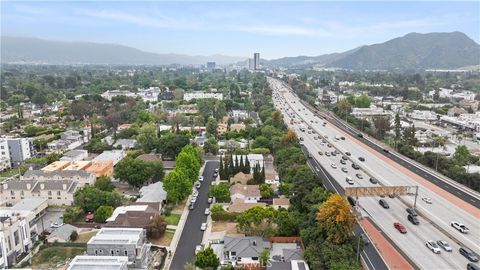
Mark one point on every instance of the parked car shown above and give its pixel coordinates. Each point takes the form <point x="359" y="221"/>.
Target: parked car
<point x="343" y="138"/>
<point x="400" y="227"/>
<point x="350" y="180"/>
<point x="445" y="245"/>
<point x="333" y="153"/>
<point x="460" y="227"/>
<point x="194" y="199"/>
<point x="56" y="225"/>
<point x="203" y="227"/>
<point x="215" y="175"/>
<point x="210" y="199"/>
<point x="198" y="185"/>
<point x="412" y="211"/>
<point x="216" y="170"/>
<point x="200" y="178"/>
<point x="384" y="203"/>
<point x="414" y="220"/>
<point x="373" y="180"/>
<point x="198" y="248"/>
<point x="432" y="246"/>
<point x="191" y="206"/>
<point x="327" y="154"/>
<point x="207" y="211"/>
<point x="469" y="254"/>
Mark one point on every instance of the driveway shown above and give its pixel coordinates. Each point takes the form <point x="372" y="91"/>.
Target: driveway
<point x="191" y="234"/>
<point x="51" y="216"/>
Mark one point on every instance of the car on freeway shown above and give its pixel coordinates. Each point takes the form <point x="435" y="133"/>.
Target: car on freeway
<point x="315" y="137"/>
<point x="344" y="158"/>
<point x="309" y="132"/>
<point x="343" y="161"/>
<point x="386" y="150"/>
<point x="349" y="180"/>
<point x="351" y="200"/>
<point x="333" y="153"/>
<point x="365" y="239"/>
<point x="360" y="135"/>
<point x="412" y="211"/>
<point x="355" y="166"/>
<point x="413" y="219"/>
<point x="460" y="227"/>
<point x="301" y="138"/>
<point x="320" y="153"/>
<point x="203" y="227"/>
<point x="327" y="154"/>
<point x="361" y="159"/>
<point x="334" y="165"/>
<point x="329" y="145"/>
<point x="198" y="185"/>
<point x="445" y="245"/>
<point x="373" y="180"/>
<point x="342" y="138"/>
<point x="384" y="203"/>
<point x="472" y="266"/>
<point x="200" y="178"/>
<point x="348" y="153"/>
<point x="344" y="170"/>
<point x="399" y="227"/>
<point x="359" y="176"/>
<point x="427" y="200"/>
<point x="432" y="246"/>
<point x="469" y="254"/>
<point x="207" y="211"/>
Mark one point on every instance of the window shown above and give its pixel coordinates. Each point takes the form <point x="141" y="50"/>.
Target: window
<point x="58" y="193"/>
<point x="118" y="251"/>
<point x="16" y="238"/>
<point x="96" y="252"/>
<point x="49" y="192"/>
<point x="22" y="193"/>
<point x="126" y="253"/>
<point x="12" y="192"/>
<point x="111" y="251"/>
<point x="255" y="258"/>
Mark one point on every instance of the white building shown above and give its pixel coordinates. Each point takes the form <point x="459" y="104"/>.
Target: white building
<point x="202" y="95"/>
<point x="109" y="94"/>
<point x="469" y="121"/>
<point x="17" y="150"/>
<point x="369" y="112"/>
<point x="149" y="94"/>
<point x="83" y="262"/>
<point x="111" y="155"/>
<point x="423" y="115"/>
<point x="253" y="159"/>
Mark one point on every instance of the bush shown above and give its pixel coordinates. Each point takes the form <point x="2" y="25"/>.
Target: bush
<point x="219" y="214"/>
<point x="74" y="236"/>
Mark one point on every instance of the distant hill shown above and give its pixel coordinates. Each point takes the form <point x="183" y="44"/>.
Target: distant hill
<point x="34" y="50"/>
<point x="412" y="51"/>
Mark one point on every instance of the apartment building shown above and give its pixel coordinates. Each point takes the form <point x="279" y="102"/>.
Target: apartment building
<point x="129" y="242"/>
<point x="83" y="262"/>
<point x="17" y="150"/>
<point x="56" y="192"/>
<point x="81" y="177"/>
<point x="18" y="229"/>
<point x="202" y="95"/>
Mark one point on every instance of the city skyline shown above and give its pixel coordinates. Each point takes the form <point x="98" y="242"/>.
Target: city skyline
<point x="275" y="29"/>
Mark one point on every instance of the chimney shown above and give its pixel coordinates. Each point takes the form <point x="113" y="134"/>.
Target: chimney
<point x="42" y="186"/>
<point x="29" y="186"/>
<point x="254" y="242"/>
<point x="5" y="186"/>
<point x="64" y="186"/>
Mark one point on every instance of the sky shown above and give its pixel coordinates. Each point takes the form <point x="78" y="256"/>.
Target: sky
<point x="274" y="29"/>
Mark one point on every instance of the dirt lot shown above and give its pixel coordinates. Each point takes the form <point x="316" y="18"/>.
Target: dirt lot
<point x="164" y="240"/>
<point x="229" y="227"/>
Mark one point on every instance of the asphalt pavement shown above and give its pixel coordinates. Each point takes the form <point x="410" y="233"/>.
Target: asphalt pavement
<point x="191" y="234"/>
<point x="370" y="255"/>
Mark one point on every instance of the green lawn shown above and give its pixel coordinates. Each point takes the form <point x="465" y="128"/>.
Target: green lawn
<point x="49" y="257"/>
<point x="172" y="219"/>
<point x="8" y="173"/>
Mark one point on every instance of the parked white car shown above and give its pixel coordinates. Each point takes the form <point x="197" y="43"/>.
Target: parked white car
<point x="203" y="227"/>
<point x="207" y="211"/>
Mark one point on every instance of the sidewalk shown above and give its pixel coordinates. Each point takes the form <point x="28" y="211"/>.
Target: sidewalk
<point x="179" y="228"/>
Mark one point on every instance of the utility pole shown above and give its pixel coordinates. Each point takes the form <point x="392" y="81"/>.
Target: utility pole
<point x="416" y="194"/>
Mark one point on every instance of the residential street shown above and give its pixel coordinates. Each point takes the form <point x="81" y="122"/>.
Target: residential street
<point x="191" y="234"/>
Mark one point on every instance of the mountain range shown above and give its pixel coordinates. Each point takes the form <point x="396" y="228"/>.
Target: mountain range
<point x="412" y="51"/>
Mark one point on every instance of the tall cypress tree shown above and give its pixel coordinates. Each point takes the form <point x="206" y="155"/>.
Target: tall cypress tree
<point x="237" y="165"/>
<point x="263" y="174"/>
<point x="242" y="165"/>
<point x="247" y="165"/>
<point x="231" y="170"/>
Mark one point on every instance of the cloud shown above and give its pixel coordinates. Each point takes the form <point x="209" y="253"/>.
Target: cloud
<point x="280" y="30"/>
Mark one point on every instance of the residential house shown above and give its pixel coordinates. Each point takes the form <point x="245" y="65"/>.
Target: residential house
<point x="239" y="206"/>
<point x="222" y="128"/>
<point x="239" y="115"/>
<point x="241" y="178"/>
<point x="69" y="140"/>
<point x="456" y="111"/>
<point x="110" y="94"/>
<point x="253" y="159"/>
<point x="202" y="95"/>
<point x="153" y="193"/>
<point x="62" y="234"/>
<point x="101" y="168"/>
<point x="113" y="155"/>
<point x="281" y="202"/>
<point x="237" y="127"/>
<point x="149" y="94"/>
<point x="75" y="155"/>
<point x="57" y="192"/>
<point x="246" y="193"/>
<point x="83" y="262"/>
<point x="244" y="249"/>
<point x="136" y="215"/>
<point x="125" y="143"/>
<point x="129" y="242"/>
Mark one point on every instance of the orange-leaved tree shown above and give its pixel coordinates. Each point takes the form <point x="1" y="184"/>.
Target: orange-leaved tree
<point x="336" y="218"/>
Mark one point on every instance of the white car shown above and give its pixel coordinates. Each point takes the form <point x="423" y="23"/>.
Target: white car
<point x="200" y="178"/>
<point x="198" y="185"/>
<point x="427" y="200"/>
<point x="445" y="245"/>
<point x="350" y="180"/>
<point x="334" y="165"/>
<point x="194" y="199"/>
<point x="56" y="225"/>
<point x="460" y="227"/>
<point x="207" y="211"/>
<point x="203" y="227"/>
<point x="198" y="248"/>
<point x="433" y="246"/>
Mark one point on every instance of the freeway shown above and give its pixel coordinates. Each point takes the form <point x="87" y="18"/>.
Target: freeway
<point x="191" y="234"/>
<point x="434" y="218"/>
<point x="370" y="256"/>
